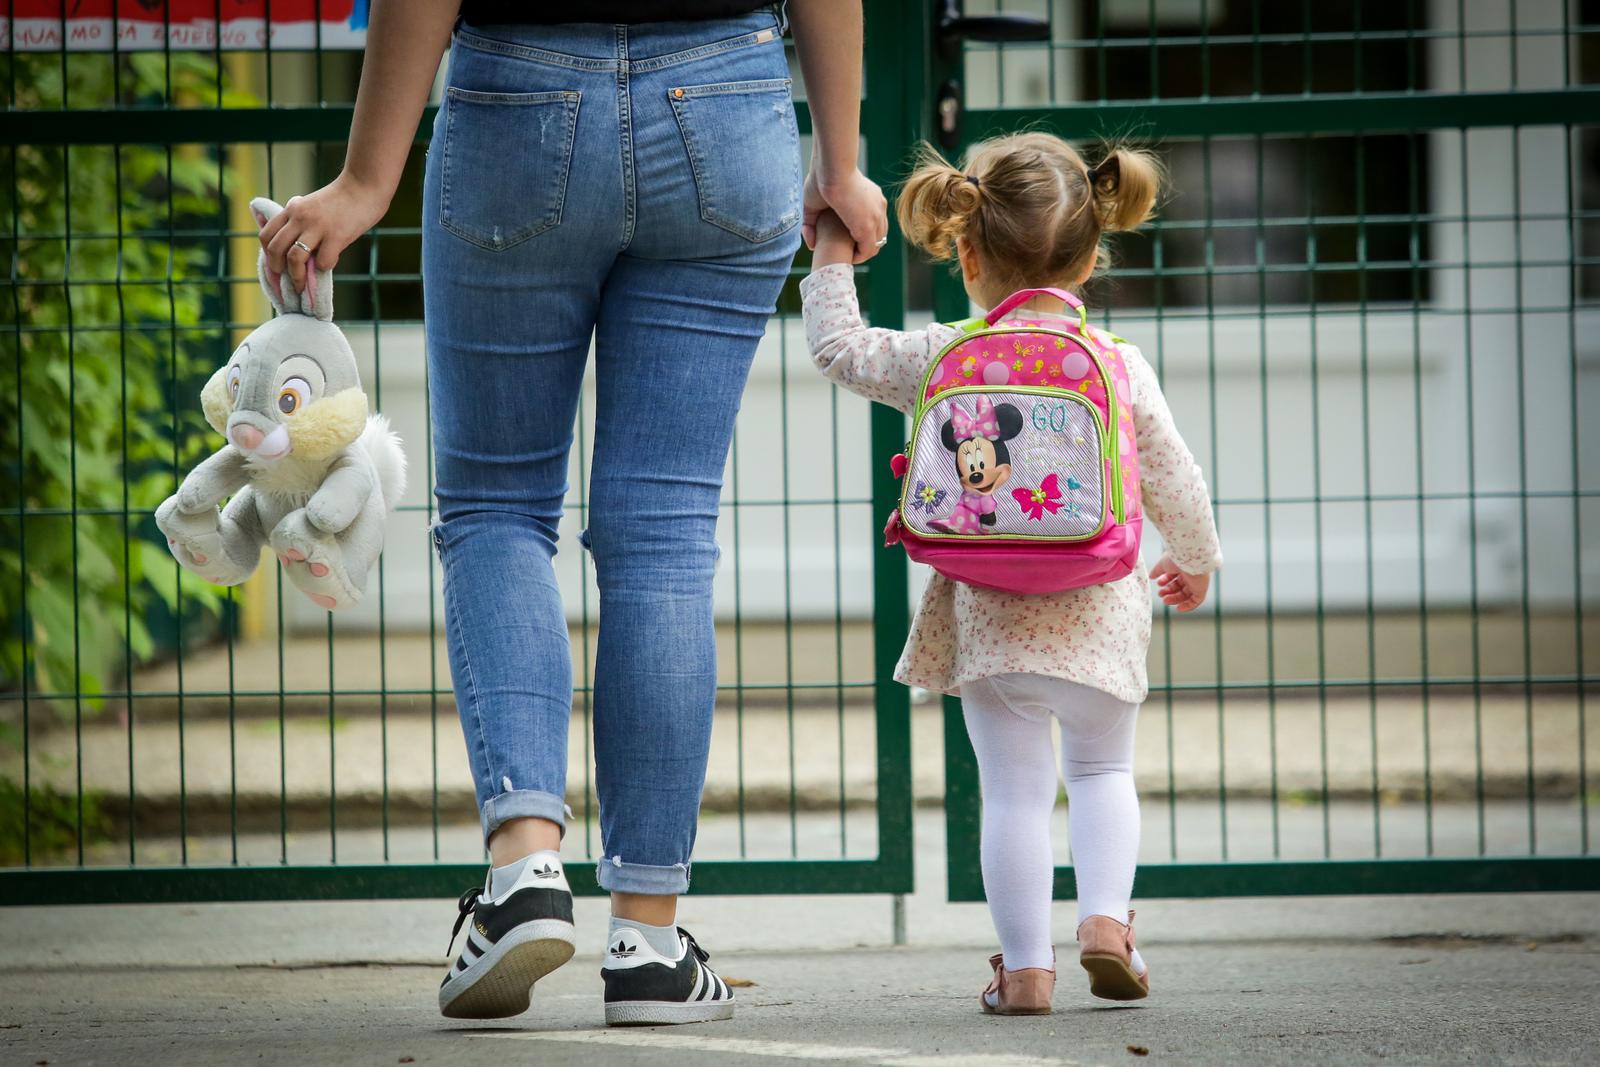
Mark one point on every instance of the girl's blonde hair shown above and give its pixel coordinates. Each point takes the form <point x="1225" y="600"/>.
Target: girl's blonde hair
<point x="1029" y="204"/>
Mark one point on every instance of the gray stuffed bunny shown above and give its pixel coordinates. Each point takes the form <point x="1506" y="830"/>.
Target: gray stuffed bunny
<point x="305" y="468"/>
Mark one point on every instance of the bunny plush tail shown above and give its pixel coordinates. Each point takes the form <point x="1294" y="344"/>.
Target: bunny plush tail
<point x="383" y="445"/>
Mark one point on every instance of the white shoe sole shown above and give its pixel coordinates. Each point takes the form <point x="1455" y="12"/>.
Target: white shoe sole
<point x="667" y="1012"/>
<point x="499" y="983"/>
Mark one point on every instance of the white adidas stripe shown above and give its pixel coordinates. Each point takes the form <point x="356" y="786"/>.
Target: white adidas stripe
<point x="701" y="986"/>
<point x="481" y="944"/>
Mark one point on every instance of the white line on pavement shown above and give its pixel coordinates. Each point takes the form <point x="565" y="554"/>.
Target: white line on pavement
<point x="976" y="1059"/>
<point x="794" y="1050"/>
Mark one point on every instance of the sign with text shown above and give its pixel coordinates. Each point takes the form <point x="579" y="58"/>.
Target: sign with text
<point x="181" y="25"/>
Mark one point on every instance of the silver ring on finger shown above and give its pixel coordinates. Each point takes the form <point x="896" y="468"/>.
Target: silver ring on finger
<point x="302" y="246"/>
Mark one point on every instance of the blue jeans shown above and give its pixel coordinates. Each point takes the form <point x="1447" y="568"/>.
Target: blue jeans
<point x="639" y="185"/>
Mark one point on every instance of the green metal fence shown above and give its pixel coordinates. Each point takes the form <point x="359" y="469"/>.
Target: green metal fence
<point x="1371" y="299"/>
<point x="161" y="739"/>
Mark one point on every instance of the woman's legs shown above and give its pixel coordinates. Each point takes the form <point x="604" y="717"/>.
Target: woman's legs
<point x="511" y="302"/>
<point x="670" y="370"/>
<point x="502" y="403"/>
<point x="674" y="343"/>
<point x="1018" y="775"/>
<point x="682" y="310"/>
<point x="640" y="184"/>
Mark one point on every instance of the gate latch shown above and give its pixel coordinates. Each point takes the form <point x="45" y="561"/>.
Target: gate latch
<point x="948" y="115"/>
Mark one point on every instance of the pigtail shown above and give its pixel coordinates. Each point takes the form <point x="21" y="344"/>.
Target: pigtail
<point x="1125" y="185"/>
<point x="936" y="205"/>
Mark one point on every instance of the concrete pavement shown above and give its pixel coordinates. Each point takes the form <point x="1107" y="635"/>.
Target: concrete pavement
<point x="1418" y="1001"/>
<point x="1425" y="980"/>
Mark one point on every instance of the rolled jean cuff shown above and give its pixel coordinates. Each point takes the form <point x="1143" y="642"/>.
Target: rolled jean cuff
<point x="616" y="876"/>
<point x="523" y="804"/>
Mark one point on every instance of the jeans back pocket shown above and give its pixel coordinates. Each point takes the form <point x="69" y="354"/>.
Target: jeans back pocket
<point x="504" y="164"/>
<point x="744" y="149"/>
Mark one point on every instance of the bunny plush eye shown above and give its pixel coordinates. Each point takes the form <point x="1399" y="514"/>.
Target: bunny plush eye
<point x="294" y="395"/>
<point x="234" y="376"/>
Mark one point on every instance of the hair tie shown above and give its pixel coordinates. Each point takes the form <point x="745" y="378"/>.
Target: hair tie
<point x="973" y="180"/>
<point x="1093" y="174"/>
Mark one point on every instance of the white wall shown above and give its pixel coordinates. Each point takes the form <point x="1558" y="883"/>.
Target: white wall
<point x="1253" y="435"/>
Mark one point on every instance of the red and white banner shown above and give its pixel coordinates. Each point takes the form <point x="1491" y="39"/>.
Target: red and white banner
<point x="181" y="25"/>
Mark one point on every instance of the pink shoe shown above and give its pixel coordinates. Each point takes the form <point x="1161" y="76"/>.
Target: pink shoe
<point x="1107" y="955"/>
<point x="1024" y="992"/>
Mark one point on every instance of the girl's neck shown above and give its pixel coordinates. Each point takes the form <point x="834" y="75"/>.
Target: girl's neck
<point x="1040" y="304"/>
<point x="1048" y="305"/>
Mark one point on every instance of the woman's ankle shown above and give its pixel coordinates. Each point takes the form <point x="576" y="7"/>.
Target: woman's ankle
<point x="516" y="838"/>
<point x="647" y="908"/>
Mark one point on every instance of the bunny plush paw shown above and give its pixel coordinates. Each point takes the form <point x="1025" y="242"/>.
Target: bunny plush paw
<point x="196" y="542"/>
<point x="313" y="562"/>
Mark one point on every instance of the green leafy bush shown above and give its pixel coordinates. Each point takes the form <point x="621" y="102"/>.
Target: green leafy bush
<point x="116" y="313"/>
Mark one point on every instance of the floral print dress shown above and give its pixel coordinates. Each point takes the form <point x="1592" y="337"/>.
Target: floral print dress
<point x="1097" y="636"/>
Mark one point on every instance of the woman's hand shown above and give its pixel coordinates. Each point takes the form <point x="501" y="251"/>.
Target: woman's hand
<point x="859" y="204"/>
<point x="405" y="39"/>
<point x="1179" y="589"/>
<point x="319" y="226"/>
<point x="827" y="42"/>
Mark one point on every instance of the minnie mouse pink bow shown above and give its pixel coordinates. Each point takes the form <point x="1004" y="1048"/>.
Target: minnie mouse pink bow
<point x="982" y="424"/>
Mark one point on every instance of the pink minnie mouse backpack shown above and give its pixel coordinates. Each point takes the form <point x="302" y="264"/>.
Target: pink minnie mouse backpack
<point x="1021" y="473"/>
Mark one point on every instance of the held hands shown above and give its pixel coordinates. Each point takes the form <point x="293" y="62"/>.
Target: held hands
<point x="832" y="242"/>
<point x="321" y="225"/>
<point x="859" y="205"/>
<point x="1179" y="589"/>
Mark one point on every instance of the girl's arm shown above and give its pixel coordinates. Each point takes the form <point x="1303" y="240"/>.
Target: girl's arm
<point x="885" y="366"/>
<point x="1173" y="491"/>
<point x="405" y="39"/>
<point x="827" y="41"/>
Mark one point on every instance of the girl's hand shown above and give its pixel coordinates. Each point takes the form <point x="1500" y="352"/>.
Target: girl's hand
<point x="327" y="222"/>
<point x="1179" y="589"/>
<point x="833" y="242"/>
<point x="859" y="204"/>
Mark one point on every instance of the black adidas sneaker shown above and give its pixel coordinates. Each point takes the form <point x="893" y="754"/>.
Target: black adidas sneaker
<point x="645" y="988"/>
<point x="514" y="940"/>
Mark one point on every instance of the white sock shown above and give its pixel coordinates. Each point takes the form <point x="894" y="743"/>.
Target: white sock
<point x="664" y="939"/>
<point x="502" y="879"/>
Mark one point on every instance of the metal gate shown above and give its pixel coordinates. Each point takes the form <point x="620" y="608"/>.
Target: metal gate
<point x="1371" y="300"/>
<point x="163" y="740"/>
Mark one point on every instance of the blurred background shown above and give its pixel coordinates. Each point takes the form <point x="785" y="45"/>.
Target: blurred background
<point x="1371" y="294"/>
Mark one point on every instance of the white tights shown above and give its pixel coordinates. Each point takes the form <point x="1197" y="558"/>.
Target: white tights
<point x="1008" y="718"/>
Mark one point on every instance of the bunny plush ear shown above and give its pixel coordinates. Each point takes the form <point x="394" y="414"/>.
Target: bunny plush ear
<point x="316" y="301"/>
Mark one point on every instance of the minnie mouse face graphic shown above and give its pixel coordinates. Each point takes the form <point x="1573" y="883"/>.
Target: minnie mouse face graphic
<point x="983" y="462"/>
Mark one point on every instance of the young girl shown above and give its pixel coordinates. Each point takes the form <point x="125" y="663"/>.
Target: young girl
<point x="1025" y="211"/>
